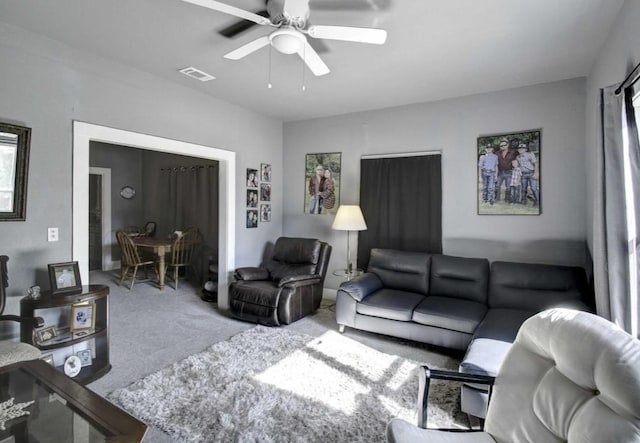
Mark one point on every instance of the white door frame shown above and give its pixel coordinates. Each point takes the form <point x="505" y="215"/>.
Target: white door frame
<point x="105" y="215"/>
<point x="84" y="133"/>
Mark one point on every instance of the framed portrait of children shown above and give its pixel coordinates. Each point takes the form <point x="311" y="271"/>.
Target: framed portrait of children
<point x="509" y="173"/>
<point x="322" y="183"/>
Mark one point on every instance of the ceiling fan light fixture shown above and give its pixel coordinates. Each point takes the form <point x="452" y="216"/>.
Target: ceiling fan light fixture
<point x="287" y="41"/>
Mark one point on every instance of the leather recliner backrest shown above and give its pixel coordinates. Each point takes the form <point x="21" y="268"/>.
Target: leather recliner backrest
<point x="401" y="270"/>
<point x="536" y="287"/>
<point x="295" y="256"/>
<point x="569" y="376"/>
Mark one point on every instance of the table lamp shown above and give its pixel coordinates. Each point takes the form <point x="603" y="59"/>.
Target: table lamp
<point x="349" y="218"/>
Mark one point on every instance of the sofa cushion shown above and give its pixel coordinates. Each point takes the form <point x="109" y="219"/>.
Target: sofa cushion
<point x="450" y="313"/>
<point x="492" y="340"/>
<point x="402" y="270"/>
<point x="391" y="304"/>
<point x="459" y="277"/>
<point x="536" y="287"/>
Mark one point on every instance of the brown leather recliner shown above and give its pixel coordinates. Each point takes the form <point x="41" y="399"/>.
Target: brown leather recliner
<point x="286" y="287"/>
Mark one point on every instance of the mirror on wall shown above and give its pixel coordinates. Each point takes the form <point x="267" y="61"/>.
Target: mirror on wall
<point x="14" y="164"/>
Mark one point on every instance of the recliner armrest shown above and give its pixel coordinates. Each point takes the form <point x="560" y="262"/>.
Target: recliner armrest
<point x="251" y="273"/>
<point x="424" y="378"/>
<point x="299" y="280"/>
<point x="361" y="286"/>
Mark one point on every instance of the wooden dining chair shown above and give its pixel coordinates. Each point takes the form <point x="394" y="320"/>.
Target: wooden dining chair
<point x="134" y="231"/>
<point x="131" y="259"/>
<point x="183" y="251"/>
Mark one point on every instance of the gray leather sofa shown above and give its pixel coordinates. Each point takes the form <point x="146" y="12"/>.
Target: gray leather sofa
<point x="458" y="303"/>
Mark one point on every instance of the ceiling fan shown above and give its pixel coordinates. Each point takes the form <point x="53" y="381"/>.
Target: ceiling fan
<point x="290" y="18"/>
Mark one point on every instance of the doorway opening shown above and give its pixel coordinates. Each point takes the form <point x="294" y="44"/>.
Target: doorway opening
<point x="84" y="133"/>
<point x="100" y="219"/>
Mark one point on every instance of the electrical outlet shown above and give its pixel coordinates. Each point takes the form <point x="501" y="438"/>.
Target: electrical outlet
<point x="52" y="234"/>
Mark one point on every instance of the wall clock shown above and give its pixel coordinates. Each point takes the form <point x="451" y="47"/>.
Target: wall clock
<point x="127" y="192"/>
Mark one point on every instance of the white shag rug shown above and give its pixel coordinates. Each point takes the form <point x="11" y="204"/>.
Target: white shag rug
<point x="276" y="385"/>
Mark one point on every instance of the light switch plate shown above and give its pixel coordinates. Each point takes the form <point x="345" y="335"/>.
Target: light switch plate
<point x="52" y="234"/>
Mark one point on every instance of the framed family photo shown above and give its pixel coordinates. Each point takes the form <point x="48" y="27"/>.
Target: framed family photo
<point x="252" y="178"/>
<point x="64" y="278"/>
<point x="83" y="317"/>
<point x="322" y="183"/>
<point x="509" y="173"/>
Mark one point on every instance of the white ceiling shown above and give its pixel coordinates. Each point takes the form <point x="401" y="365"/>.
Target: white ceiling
<point x="435" y="49"/>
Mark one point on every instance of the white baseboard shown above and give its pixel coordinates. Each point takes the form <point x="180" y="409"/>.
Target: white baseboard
<point x="329" y="294"/>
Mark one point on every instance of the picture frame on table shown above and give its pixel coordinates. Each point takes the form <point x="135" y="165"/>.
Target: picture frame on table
<point x="85" y="357"/>
<point x="46" y="334"/>
<point x="64" y="278"/>
<point x="83" y="317"/>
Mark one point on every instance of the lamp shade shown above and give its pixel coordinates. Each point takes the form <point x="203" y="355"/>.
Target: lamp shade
<point x="349" y="218"/>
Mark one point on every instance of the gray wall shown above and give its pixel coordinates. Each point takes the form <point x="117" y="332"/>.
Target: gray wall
<point x="452" y="126"/>
<point x="46" y="85"/>
<point x="617" y="57"/>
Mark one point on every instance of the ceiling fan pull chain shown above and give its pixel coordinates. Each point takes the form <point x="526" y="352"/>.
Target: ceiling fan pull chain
<point x="269" y="85"/>
<point x="304" y="61"/>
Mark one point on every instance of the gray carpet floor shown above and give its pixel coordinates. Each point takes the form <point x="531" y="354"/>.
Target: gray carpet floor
<point x="150" y="329"/>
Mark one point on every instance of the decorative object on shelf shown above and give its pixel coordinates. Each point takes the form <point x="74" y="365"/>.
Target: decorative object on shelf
<point x="265" y="172"/>
<point x="14" y="162"/>
<point x="85" y="357"/>
<point x="252" y="178"/>
<point x="72" y="366"/>
<point x="349" y="218"/>
<point x="127" y="192"/>
<point x="46" y="334"/>
<point x="509" y="173"/>
<point x="48" y="358"/>
<point x="252" y="218"/>
<point x="65" y="278"/>
<point x="322" y="182"/>
<point x="34" y="292"/>
<point x="9" y="411"/>
<point x="150" y="228"/>
<point x="83" y="317"/>
<point x="265" y="192"/>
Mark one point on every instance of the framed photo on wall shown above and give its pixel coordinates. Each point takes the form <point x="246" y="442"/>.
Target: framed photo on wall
<point x="252" y="178"/>
<point x="252" y="198"/>
<point x="322" y="183"/>
<point x="265" y="212"/>
<point x="252" y="218"/>
<point x="509" y="173"/>
<point x="265" y="172"/>
<point x="265" y="192"/>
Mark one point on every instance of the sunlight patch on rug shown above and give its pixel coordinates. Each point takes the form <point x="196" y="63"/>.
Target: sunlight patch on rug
<point x="273" y="384"/>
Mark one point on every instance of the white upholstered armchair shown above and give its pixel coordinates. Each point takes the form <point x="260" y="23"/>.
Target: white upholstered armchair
<point x="569" y="376"/>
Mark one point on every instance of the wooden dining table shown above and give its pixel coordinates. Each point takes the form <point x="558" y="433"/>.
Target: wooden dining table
<point x="160" y="247"/>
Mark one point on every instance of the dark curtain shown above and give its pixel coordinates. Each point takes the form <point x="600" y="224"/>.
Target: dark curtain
<point x="190" y="195"/>
<point x="401" y="199"/>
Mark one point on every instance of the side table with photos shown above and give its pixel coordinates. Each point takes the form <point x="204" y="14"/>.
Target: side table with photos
<point x="75" y="335"/>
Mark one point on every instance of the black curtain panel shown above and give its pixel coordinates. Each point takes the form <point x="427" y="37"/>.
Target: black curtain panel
<point x="401" y="199"/>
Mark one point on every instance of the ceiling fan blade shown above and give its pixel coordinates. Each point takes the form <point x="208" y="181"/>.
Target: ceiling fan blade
<point x="247" y="49"/>
<point x="240" y="26"/>
<point x="232" y="10"/>
<point x="313" y="60"/>
<point x="346" y="33"/>
<point x="351" y="5"/>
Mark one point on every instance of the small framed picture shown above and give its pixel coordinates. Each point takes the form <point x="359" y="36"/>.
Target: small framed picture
<point x="252" y="198"/>
<point x="65" y="278"/>
<point x="265" y="172"/>
<point x="46" y="334"/>
<point x="83" y="317"/>
<point x="252" y="218"/>
<point x="252" y="178"/>
<point x="85" y="357"/>
<point x="48" y="358"/>
<point x="265" y="192"/>
<point x="265" y="212"/>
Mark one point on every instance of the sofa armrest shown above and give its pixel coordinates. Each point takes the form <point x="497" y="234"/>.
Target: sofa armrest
<point x="251" y="273"/>
<point x="424" y="378"/>
<point x="361" y="286"/>
<point x="295" y="281"/>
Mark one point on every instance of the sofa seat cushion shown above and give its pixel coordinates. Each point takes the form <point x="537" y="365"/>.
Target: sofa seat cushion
<point x="450" y="313"/>
<point x="492" y="340"/>
<point x="391" y="304"/>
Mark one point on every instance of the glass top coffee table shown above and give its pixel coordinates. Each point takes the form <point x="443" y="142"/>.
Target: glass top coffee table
<point x="60" y="410"/>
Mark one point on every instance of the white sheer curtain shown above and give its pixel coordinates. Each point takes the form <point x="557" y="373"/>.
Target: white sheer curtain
<point x="617" y="212"/>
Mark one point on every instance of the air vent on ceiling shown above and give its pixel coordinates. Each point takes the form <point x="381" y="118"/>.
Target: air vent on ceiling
<point x="197" y="74"/>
